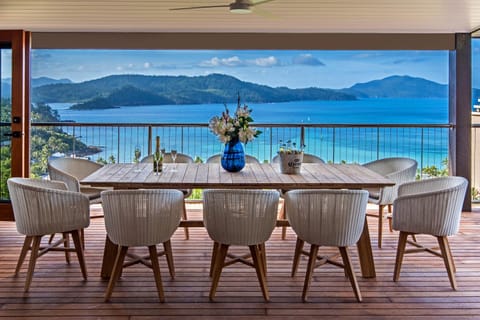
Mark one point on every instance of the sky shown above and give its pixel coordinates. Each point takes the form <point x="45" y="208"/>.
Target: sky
<point x="276" y="68"/>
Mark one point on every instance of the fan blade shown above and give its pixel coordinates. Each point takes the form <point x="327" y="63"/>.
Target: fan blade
<point x="202" y="7"/>
<point x="255" y="3"/>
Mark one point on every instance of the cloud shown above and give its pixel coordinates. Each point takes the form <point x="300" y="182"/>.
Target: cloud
<point x="307" y="59"/>
<point x="408" y="60"/>
<point x="147" y="65"/>
<point x="235" y="61"/>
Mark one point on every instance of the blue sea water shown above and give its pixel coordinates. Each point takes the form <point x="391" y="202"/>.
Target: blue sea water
<point x="428" y="146"/>
<point x="362" y="111"/>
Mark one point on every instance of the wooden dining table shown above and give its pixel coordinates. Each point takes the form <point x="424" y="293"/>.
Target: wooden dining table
<point x="253" y="176"/>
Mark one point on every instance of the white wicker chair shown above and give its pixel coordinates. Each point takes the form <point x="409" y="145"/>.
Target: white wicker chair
<point x="326" y="218"/>
<point x="71" y="171"/>
<point x="400" y="170"/>
<point x="141" y="218"/>
<point x="218" y="157"/>
<point x="433" y="207"/>
<point x="240" y="217"/>
<point x="44" y="207"/>
<point x="181" y="158"/>
<point x="307" y="158"/>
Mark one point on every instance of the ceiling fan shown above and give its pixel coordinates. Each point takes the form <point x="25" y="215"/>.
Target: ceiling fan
<point x="238" y="6"/>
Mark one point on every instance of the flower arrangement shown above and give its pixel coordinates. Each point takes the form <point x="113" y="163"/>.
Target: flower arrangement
<point x="230" y="128"/>
<point x="290" y="147"/>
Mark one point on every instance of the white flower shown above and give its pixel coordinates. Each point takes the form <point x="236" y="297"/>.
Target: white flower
<point x="228" y="128"/>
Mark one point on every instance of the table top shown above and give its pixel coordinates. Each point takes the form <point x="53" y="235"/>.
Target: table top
<point x="212" y="175"/>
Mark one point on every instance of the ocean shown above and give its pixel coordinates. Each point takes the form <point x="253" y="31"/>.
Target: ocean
<point x="362" y="111"/>
<point x="427" y="146"/>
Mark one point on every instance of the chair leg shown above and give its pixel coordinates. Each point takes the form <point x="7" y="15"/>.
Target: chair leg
<point x="259" y="268"/>
<point x="117" y="270"/>
<point x="33" y="261"/>
<point x="349" y="271"/>
<point x="263" y="255"/>
<point x="184" y="216"/>
<point x="51" y="238"/>
<point x="311" y="265"/>
<point x="217" y="268"/>
<point x="216" y="246"/>
<point x="66" y="245"/>
<point x="156" y="271"/>
<point x="451" y="255"/>
<point x="283" y="215"/>
<point x="79" y="250"/>
<point x="26" y="246"/>
<point x="380" y="224"/>
<point x="448" y="260"/>
<point x="296" y="255"/>
<point x="402" y="242"/>
<point x="167" y="246"/>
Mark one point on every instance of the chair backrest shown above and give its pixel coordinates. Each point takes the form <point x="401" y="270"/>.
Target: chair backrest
<point x="71" y="171"/>
<point x="432" y="206"/>
<point x="400" y="170"/>
<point x="141" y="217"/>
<point x="240" y="217"/>
<point x="218" y="157"/>
<point x="307" y="158"/>
<point x="181" y="158"/>
<point x="327" y="217"/>
<point x="44" y="207"/>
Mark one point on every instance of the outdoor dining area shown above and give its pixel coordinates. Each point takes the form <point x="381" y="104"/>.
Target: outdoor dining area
<point x="144" y="250"/>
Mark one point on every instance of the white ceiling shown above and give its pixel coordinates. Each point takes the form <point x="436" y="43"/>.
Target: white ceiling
<point x="304" y="16"/>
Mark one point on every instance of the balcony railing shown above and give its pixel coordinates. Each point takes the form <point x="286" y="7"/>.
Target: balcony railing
<point x="426" y="143"/>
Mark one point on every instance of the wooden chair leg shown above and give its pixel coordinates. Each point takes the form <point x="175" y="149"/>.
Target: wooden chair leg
<point x="263" y="255"/>
<point x="66" y="245"/>
<point x="82" y="237"/>
<point x="259" y="268"/>
<point x="296" y="255"/>
<point x="51" y="238"/>
<point x="26" y="246"/>
<point x="380" y="224"/>
<point x="217" y="268"/>
<point x="33" y="261"/>
<point x="402" y="242"/>
<point x="216" y="246"/>
<point x="312" y="259"/>
<point x="117" y="269"/>
<point x="349" y="271"/>
<point x="283" y="215"/>
<point x="156" y="271"/>
<point x="79" y="250"/>
<point x="184" y="216"/>
<point x="451" y="255"/>
<point x="448" y="260"/>
<point x="167" y="246"/>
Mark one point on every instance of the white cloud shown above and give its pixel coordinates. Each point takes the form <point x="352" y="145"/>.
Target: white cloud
<point x="235" y="61"/>
<point x="147" y="65"/>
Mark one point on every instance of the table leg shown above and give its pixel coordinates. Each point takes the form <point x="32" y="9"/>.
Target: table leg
<point x="365" y="254"/>
<point x="109" y="254"/>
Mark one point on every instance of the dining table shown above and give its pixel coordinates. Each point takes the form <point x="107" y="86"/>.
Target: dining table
<point x="252" y="176"/>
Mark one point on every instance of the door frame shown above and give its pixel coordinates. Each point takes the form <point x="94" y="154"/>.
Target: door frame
<point x="20" y="42"/>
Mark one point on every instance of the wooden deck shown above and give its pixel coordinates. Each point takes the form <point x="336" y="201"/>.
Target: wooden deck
<point x="423" y="291"/>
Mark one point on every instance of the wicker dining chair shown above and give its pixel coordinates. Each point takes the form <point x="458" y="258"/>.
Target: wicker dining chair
<point x="141" y="218"/>
<point x="433" y="207"/>
<point x="326" y="218"/>
<point x="307" y="158"/>
<point x="244" y="218"/>
<point x="72" y="171"/>
<point x="181" y="158"/>
<point x="43" y="207"/>
<point x="400" y="170"/>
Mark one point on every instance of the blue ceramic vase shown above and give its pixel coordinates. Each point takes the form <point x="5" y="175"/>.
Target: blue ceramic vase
<point x="233" y="159"/>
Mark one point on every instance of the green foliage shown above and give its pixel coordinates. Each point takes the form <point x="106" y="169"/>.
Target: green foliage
<point x="433" y="171"/>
